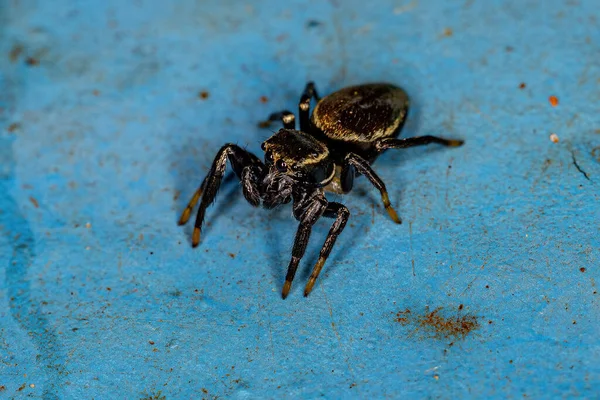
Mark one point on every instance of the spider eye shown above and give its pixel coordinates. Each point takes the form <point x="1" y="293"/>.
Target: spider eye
<point x="269" y="157"/>
<point x="281" y="166"/>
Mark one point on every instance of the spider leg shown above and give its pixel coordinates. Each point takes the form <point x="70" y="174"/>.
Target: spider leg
<point x="308" y="211"/>
<point x="393" y="143"/>
<point x="247" y="167"/>
<point x="304" y="106"/>
<point x="353" y="162"/>
<point x="287" y="117"/>
<point x="341" y="215"/>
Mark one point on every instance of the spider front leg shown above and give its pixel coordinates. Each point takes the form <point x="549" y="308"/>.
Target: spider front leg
<point x="341" y="215"/>
<point x="247" y="167"/>
<point x="353" y="162"/>
<point x="307" y="210"/>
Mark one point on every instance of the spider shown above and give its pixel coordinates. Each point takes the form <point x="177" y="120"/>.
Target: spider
<point x="346" y="132"/>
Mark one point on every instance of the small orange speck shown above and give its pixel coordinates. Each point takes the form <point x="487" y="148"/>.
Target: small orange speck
<point x="554" y="138"/>
<point x="553" y="101"/>
<point x="264" y="99"/>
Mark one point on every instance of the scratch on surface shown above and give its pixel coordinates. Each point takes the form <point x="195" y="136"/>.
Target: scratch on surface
<point x="412" y="256"/>
<point x="484" y="115"/>
<point x="339" y="338"/>
<point x="578" y="167"/>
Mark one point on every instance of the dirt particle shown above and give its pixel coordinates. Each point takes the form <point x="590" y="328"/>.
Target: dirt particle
<point x="176" y="195"/>
<point x="596" y="153"/>
<point x="34" y="202"/>
<point x="553" y="101"/>
<point x="574" y="322"/>
<point x="582" y="269"/>
<point x="21" y="387"/>
<point x="32" y="385"/>
<point x="264" y="99"/>
<point x="554" y="138"/>
<point x="109" y="289"/>
<point x="313" y="23"/>
<point x="32" y="62"/>
<point x="203" y="95"/>
<point x="509" y="49"/>
<point x="13" y="127"/>
<point x="487" y="286"/>
<point x="522" y="85"/>
<point x="151" y="342"/>
<point x="435" y="325"/>
<point x="204" y="391"/>
<point x="352" y="385"/>
<point x="231" y="255"/>
<point x="2" y="388"/>
<point x="15" y="52"/>
<point x="448" y="32"/>
<point x="88" y="225"/>
<point x="96" y="92"/>
<point x="460" y="307"/>
<point x="510" y="361"/>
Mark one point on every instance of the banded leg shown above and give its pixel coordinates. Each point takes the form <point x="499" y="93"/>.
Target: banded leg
<point x="247" y="167"/>
<point x="309" y="93"/>
<point x="393" y="143"/>
<point x="341" y="215"/>
<point x="314" y="208"/>
<point x="354" y="161"/>
<point x="286" y="117"/>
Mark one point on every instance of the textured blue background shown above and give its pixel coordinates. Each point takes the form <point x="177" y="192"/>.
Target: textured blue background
<point x="103" y="138"/>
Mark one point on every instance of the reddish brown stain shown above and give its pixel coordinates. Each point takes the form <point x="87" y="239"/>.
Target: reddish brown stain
<point x="2" y="388"/>
<point x="34" y="202"/>
<point x="582" y="269"/>
<point x="264" y="99"/>
<point x="151" y="342"/>
<point x="522" y="85"/>
<point x="203" y="95"/>
<point x="438" y="326"/>
<point x="553" y="101"/>
<point x="231" y="255"/>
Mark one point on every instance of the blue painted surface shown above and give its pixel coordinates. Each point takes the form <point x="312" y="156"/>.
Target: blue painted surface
<point x="103" y="142"/>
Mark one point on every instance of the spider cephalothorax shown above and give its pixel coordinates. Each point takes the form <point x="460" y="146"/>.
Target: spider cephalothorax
<point x="347" y="131"/>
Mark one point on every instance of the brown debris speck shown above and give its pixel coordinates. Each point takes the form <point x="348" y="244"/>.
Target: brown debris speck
<point x="204" y="391"/>
<point x="522" y="85"/>
<point x="231" y="255"/>
<point x="553" y="101"/>
<point x="32" y="62"/>
<point x="460" y="307"/>
<point x="2" y="388"/>
<point x="582" y="269"/>
<point x="264" y="99"/>
<point x="15" y="52"/>
<point x="151" y="342"/>
<point x="34" y="202"/>
<point x="448" y="32"/>
<point x="13" y="127"/>
<point x="109" y="289"/>
<point x="203" y="95"/>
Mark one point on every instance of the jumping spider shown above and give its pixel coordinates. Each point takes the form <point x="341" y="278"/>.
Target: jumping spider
<point x="344" y="135"/>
